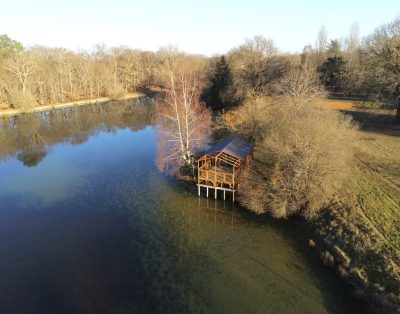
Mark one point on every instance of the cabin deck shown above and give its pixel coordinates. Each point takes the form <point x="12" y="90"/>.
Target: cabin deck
<point x="217" y="176"/>
<point x="219" y="167"/>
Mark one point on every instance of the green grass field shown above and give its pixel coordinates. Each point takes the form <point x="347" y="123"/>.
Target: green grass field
<point x="376" y="180"/>
<point x="365" y="223"/>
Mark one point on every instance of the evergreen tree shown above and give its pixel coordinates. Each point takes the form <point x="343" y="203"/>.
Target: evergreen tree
<point x="332" y="71"/>
<point x="8" y="45"/>
<point x="334" y="49"/>
<point x="220" y="85"/>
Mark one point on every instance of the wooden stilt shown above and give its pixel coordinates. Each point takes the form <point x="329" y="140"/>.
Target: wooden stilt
<point x="232" y="222"/>
<point x="215" y="188"/>
<point x="219" y="168"/>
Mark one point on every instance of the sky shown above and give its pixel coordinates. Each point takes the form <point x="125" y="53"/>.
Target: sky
<point x="206" y="27"/>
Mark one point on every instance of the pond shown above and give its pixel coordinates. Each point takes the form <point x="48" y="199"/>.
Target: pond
<point x="89" y="225"/>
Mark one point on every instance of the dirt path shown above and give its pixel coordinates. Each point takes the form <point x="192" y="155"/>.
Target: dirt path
<point x="379" y="172"/>
<point x="13" y="112"/>
<point x="363" y="160"/>
<point x="376" y="230"/>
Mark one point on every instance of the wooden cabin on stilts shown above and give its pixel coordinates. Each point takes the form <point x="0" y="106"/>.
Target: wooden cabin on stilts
<point x="218" y="168"/>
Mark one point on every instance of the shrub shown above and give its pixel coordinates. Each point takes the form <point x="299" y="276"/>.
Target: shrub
<point x="22" y="101"/>
<point x="304" y="151"/>
<point x="327" y="259"/>
<point x="116" y="92"/>
<point x="307" y="153"/>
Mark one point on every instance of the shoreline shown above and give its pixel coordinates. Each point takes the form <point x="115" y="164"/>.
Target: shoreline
<point x="82" y="102"/>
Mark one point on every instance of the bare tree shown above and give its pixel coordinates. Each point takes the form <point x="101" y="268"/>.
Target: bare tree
<point x="307" y="151"/>
<point x="256" y="68"/>
<point x="382" y="60"/>
<point x="301" y="86"/>
<point x="352" y="73"/>
<point x="322" y="39"/>
<point x="183" y="120"/>
<point x="22" y="66"/>
<point x="352" y="42"/>
<point x="321" y="44"/>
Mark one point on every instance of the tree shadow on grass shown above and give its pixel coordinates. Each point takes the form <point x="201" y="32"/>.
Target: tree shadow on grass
<point x="381" y="121"/>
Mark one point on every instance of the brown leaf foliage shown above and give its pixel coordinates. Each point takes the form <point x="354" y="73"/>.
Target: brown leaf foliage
<point x="304" y="152"/>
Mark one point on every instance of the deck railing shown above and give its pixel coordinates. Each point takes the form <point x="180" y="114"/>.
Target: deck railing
<point x="217" y="177"/>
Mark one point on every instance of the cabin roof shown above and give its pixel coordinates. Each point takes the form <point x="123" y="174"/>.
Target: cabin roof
<point x="232" y="145"/>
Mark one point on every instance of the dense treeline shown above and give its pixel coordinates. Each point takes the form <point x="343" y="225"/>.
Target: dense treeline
<point x="305" y="154"/>
<point x="305" y="149"/>
<point x="368" y="67"/>
<point x="40" y="75"/>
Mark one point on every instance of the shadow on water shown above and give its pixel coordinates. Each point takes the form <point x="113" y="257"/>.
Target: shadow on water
<point x="95" y="228"/>
<point x="226" y="260"/>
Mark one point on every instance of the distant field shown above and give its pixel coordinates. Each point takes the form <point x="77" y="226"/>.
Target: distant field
<point x="337" y="104"/>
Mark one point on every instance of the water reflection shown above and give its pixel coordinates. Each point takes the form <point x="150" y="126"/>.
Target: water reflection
<point x="96" y="228"/>
<point x="30" y="137"/>
<point x="201" y="255"/>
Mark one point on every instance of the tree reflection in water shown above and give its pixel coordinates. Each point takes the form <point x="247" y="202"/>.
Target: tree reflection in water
<point x="29" y="137"/>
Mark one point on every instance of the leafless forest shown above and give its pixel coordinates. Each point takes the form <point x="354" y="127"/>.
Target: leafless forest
<point x="309" y="160"/>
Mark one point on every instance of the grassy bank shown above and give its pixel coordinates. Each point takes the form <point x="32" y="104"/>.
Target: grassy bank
<point x="359" y="234"/>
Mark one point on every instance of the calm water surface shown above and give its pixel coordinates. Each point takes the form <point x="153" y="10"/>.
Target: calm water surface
<point x="89" y="225"/>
